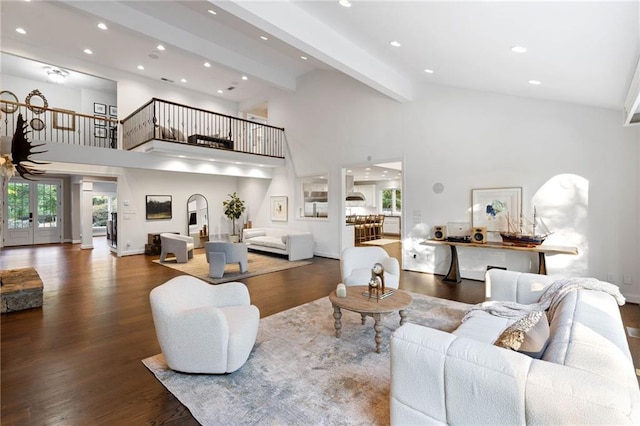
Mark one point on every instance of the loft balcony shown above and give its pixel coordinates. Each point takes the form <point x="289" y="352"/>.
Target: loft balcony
<point x="173" y="129"/>
<point x="158" y="127"/>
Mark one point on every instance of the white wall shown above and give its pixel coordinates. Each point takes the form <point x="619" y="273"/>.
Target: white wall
<point x="58" y="95"/>
<point x="135" y="184"/>
<point x="576" y="164"/>
<point x="133" y="93"/>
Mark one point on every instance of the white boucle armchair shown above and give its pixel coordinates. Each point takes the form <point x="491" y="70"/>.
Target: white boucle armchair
<point x="356" y="264"/>
<point x="202" y="328"/>
<point x="180" y="245"/>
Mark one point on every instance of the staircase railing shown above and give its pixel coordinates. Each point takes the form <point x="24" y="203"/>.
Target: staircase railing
<point x="172" y="122"/>
<point x="59" y="125"/>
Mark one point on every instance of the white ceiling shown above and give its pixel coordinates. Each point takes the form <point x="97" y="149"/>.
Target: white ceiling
<point x="581" y="52"/>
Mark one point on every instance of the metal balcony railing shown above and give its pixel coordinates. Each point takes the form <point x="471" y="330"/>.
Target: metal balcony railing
<point x="176" y="123"/>
<point x="59" y="125"/>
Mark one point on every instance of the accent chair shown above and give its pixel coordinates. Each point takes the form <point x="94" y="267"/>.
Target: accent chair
<point x="179" y="245"/>
<point x="204" y="328"/>
<point x="356" y="264"/>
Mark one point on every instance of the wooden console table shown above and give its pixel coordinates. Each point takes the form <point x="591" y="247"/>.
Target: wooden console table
<point x="454" y="270"/>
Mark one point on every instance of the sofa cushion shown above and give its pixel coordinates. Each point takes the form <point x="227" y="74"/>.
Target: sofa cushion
<point x="251" y="233"/>
<point x="267" y="241"/>
<point x="483" y="327"/>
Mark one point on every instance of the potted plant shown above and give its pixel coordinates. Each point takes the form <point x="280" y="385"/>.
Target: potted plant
<point x="233" y="209"/>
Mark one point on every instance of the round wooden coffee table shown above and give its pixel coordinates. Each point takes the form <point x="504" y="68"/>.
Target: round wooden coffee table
<point x="356" y="302"/>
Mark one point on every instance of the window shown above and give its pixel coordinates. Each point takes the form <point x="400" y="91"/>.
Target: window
<point x="315" y="197"/>
<point x="391" y="200"/>
<point x="103" y="206"/>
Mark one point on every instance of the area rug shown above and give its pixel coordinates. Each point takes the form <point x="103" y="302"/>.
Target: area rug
<point x="380" y="242"/>
<point x="258" y="264"/>
<point x="299" y="373"/>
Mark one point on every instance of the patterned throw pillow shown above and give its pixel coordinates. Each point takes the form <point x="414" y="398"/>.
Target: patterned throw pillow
<point x="528" y="335"/>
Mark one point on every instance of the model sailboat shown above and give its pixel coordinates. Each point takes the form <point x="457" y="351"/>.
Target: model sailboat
<point x="525" y="233"/>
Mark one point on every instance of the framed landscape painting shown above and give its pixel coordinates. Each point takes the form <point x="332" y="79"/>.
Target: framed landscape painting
<point x="494" y="208"/>
<point x="158" y="207"/>
<point x="279" y="209"/>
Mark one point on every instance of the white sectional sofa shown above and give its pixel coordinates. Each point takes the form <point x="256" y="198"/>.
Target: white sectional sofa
<point x="294" y="244"/>
<point x="585" y="374"/>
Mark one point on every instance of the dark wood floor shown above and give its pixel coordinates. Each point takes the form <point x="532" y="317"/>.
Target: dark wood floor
<point x="76" y="361"/>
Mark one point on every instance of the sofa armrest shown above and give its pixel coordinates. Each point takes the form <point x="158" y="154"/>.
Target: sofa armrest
<point x="299" y="245"/>
<point x="437" y="377"/>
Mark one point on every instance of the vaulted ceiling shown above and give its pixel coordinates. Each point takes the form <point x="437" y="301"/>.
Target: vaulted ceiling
<point x="579" y="52"/>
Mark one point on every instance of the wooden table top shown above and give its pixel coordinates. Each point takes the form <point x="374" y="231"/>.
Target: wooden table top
<point x="505" y="246"/>
<point x="356" y="302"/>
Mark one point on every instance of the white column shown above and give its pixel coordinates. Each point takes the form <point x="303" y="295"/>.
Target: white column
<point x="86" y="213"/>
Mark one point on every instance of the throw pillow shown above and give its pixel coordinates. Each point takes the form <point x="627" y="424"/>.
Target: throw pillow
<point x="531" y="329"/>
<point x="178" y="135"/>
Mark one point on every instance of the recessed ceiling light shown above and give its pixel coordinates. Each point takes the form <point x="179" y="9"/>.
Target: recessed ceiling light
<point x="395" y="43"/>
<point x="211" y="11"/>
<point x="212" y="159"/>
<point x="160" y="47"/>
<point x="88" y="51"/>
<point x="349" y="170"/>
<point x="368" y="168"/>
<point x="264" y="37"/>
<point x="140" y="67"/>
<point x="244" y="77"/>
<point x="518" y="49"/>
<point x="181" y="156"/>
<point x="102" y="26"/>
<point x="207" y="64"/>
<point x="428" y="71"/>
<point x="345" y="3"/>
<point x="304" y="58"/>
<point x="535" y="82"/>
<point x="220" y="91"/>
<point x="184" y="80"/>
<point x="20" y="30"/>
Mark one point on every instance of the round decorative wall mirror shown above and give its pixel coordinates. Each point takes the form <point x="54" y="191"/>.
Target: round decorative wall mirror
<point x="37" y="124"/>
<point x="6" y="95"/>
<point x="36" y="102"/>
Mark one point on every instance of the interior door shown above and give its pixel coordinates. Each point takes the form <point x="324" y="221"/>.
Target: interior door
<point x="32" y="212"/>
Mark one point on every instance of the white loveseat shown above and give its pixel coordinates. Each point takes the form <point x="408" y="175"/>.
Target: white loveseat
<point x="585" y="374"/>
<point x="294" y="244"/>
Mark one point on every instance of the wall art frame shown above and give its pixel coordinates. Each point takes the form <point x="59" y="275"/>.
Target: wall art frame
<point x="113" y="110"/>
<point x="64" y="120"/>
<point x="158" y="207"/>
<point x="99" y="108"/>
<point x="494" y="208"/>
<point x="100" y="132"/>
<point x="279" y="208"/>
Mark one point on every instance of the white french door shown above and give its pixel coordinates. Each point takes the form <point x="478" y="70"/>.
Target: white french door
<point x="32" y="212"/>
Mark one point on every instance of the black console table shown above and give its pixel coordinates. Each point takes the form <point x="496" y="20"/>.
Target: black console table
<point x="210" y="141"/>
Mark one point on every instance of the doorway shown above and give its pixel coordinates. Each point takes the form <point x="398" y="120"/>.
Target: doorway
<point x="33" y="212"/>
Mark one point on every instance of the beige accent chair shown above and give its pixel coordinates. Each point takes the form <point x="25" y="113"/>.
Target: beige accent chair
<point x="204" y="328"/>
<point x="356" y="264"/>
<point x="180" y="246"/>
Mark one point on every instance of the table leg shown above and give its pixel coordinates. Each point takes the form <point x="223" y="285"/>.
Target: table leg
<point x="542" y="264"/>
<point x="403" y="316"/>
<point x="364" y="318"/>
<point x="378" y="328"/>
<point x="337" y="314"/>
<point x="453" y="274"/>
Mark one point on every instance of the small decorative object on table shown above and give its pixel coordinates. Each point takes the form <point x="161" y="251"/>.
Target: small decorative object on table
<point x="376" y="284"/>
<point x="341" y="290"/>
